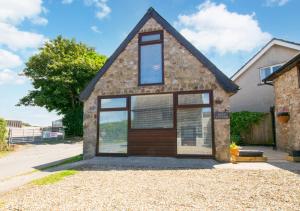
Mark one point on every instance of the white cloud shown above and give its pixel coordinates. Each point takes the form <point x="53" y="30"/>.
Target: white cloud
<point x="67" y="1"/>
<point x="215" y="28"/>
<point x="103" y="10"/>
<point x="95" y="29"/>
<point x="16" y="11"/>
<point x="39" y="21"/>
<point x="12" y="13"/>
<point x="271" y="3"/>
<point x="16" y="39"/>
<point x="8" y="76"/>
<point x="9" y="60"/>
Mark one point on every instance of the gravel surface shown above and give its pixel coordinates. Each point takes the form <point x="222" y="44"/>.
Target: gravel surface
<point x="150" y="189"/>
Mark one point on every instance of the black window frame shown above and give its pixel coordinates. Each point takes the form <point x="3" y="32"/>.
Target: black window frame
<point x="144" y="43"/>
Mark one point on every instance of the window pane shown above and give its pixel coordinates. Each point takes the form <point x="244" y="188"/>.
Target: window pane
<point x="275" y="68"/>
<point x="189" y="99"/>
<point x="194" y="134"/>
<point x="151" y="64"/>
<point x="265" y="72"/>
<point x="113" y="103"/>
<point x="113" y="131"/>
<point x="150" y="37"/>
<point x="152" y="111"/>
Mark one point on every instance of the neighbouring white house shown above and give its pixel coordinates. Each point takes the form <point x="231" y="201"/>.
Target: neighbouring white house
<point x="253" y="95"/>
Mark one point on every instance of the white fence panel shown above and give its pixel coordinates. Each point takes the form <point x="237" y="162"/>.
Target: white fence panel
<point x="17" y="135"/>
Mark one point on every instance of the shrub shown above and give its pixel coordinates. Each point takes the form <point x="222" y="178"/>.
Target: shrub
<point x="3" y="133"/>
<point x="241" y="122"/>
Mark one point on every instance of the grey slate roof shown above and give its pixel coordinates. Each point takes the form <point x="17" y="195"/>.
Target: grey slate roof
<point x="284" y="68"/>
<point x="224" y="81"/>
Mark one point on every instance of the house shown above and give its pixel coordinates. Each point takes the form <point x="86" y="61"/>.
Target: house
<point x="286" y="81"/>
<point x="252" y="96"/>
<point x="157" y="95"/>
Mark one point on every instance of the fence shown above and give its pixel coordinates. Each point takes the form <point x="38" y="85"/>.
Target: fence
<point x="260" y="133"/>
<point x="28" y="135"/>
<point x="18" y="135"/>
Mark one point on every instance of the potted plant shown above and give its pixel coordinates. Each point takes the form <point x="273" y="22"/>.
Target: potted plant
<point x="234" y="152"/>
<point x="283" y="115"/>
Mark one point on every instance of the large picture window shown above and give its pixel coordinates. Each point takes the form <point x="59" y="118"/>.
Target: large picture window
<point x="152" y="111"/>
<point x="151" y="58"/>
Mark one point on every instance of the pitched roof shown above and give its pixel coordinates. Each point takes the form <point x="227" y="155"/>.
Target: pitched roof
<point x="264" y="49"/>
<point x="284" y="68"/>
<point x="223" y="80"/>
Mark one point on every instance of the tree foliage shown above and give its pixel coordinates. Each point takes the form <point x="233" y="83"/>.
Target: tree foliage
<point x="59" y="72"/>
<point x="241" y="122"/>
<point x="3" y="133"/>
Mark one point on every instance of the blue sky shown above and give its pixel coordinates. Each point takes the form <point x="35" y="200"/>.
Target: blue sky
<point x="228" y="32"/>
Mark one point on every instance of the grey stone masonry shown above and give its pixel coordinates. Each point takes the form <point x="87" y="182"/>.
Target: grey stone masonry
<point x="183" y="72"/>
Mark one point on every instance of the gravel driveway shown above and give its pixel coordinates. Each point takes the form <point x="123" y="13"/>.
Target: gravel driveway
<point x="116" y="188"/>
<point x="31" y="156"/>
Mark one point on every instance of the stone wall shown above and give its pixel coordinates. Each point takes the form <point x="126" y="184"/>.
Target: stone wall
<point x="183" y="72"/>
<point x="287" y="96"/>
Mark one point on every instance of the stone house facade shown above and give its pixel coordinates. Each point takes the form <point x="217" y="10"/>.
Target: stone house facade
<point x="114" y="101"/>
<point x="286" y="83"/>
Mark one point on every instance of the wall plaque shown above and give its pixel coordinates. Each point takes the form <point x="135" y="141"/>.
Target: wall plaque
<point x="221" y="115"/>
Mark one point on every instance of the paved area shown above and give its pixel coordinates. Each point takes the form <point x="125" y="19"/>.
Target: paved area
<point x="272" y="155"/>
<point x="17" y="181"/>
<point x="145" y="183"/>
<point x="32" y="156"/>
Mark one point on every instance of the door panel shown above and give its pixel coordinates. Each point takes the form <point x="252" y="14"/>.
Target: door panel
<point x="154" y="142"/>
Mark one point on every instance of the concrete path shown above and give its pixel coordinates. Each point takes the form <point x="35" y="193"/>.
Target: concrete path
<point x="27" y="159"/>
<point x="17" y="181"/>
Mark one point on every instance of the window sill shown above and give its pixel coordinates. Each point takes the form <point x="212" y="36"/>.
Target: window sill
<point x="153" y="84"/>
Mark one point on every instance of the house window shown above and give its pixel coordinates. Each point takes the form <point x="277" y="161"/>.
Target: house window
<point x="152" y="111"/>
<point x="113" y="103"/>
<point x="192" y="99"/>
<point x="151" y="58"/>
<point x="194" y="124"/>
<point x="266" y="71"/>
<point x="113" y="125"/>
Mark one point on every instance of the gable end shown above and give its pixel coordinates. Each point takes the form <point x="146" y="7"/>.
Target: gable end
<point x="222" y="79"/>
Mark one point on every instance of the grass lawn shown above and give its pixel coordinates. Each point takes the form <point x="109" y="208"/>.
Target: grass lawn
<point x="53" y="178"/>
<point x="66" y="161"/>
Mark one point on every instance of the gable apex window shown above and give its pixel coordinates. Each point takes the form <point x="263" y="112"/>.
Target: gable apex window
<point x="151" y="70"/>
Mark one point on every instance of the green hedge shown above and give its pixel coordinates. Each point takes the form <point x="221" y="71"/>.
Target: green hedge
<point x="241" y="122"/>
<point x="3" y="133"/>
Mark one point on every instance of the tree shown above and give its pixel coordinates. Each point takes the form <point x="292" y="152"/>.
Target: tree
<point x="59" y="72"/>
<point x="3" y="133"/>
